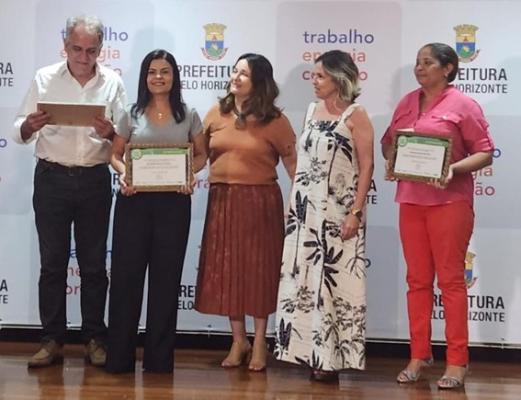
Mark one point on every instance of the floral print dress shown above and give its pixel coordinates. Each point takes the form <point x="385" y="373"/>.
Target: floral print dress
<point x="321" y="308"/>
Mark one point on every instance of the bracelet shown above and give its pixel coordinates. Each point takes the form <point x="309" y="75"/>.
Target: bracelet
<point x="357" y="213"/>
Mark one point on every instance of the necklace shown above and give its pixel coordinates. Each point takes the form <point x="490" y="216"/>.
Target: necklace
<point x="160" y="115"/>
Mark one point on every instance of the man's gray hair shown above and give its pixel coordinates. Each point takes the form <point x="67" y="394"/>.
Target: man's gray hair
<point x="92" y="24"/>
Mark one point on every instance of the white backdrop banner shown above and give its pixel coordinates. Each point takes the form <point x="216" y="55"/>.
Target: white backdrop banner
<point x="382" y="37"/>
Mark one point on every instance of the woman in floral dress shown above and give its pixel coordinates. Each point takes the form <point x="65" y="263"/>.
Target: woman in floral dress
<point x="321" y="301"/>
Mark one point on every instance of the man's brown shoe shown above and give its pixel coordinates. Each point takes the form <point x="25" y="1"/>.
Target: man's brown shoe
<point x="95" y="353"/>
<point x="50" y="353"/>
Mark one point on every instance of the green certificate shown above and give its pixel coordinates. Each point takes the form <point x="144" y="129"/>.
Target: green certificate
<point x="158" y="168"/>
<point x="420" y="156"/>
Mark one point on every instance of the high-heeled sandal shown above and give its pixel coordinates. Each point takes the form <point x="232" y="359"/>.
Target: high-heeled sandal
<point x="408" y="376"/>
<point x="258" y="358"/>
<point x="238" y="355"/>
<point x="449" y="382"/>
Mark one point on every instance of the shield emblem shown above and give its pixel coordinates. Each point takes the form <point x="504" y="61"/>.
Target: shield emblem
<point x="466" y="42"/>
<point x="214" y="41"/>
<point x="465" y="49"/>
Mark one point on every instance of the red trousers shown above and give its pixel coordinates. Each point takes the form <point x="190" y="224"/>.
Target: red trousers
<point x="435" y="240"/>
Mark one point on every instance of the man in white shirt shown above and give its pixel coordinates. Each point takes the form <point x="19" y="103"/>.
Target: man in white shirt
<point x="72" y="186"/>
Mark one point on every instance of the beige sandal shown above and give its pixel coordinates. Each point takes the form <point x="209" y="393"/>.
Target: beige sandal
<point x="408" y="376"/>
<point x="239" y="354"/>
<point x="448" y="382"/>
<point x="258" y="358"/>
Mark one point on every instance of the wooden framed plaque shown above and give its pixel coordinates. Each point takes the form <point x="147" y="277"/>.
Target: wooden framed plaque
<point x="72" y="114"/>
<point x="420" y="156"/>
<point x="158" y="167"/>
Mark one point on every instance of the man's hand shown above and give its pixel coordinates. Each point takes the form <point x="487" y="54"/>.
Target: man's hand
<point x="34" y="122"/>
<point x="104" y="127"/>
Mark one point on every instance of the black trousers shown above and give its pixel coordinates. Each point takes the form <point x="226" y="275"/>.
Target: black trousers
<point x="80" y="197"/>
<point x="150" y="230"/>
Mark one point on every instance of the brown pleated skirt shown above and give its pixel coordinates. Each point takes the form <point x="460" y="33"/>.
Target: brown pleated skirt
<point x="241" y="251"/>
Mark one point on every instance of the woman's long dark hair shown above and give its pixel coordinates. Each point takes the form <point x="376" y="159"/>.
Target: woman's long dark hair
<point x="264" y="91"/>
<point x="143" y="94"/>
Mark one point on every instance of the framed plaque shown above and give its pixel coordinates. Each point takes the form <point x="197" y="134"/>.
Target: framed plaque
<point x="420" y="157"/>
<point x="158" y="167"/>
<point x="72" y="114"/>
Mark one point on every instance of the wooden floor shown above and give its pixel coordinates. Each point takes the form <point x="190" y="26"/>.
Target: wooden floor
<point x="197" y="376"/>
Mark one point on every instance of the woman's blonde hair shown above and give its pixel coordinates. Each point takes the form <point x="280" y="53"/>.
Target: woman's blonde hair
<point x="341" y="67"/>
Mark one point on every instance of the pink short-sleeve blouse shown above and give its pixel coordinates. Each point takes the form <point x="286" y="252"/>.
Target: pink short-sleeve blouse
<point x="451" y="114"/>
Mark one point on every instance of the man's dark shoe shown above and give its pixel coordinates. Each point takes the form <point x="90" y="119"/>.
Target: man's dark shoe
<point x="50" y="353"/>
<point x="95" y="353"/>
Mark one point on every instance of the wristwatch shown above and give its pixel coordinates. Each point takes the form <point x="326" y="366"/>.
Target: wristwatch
<point x="357" y="213"/>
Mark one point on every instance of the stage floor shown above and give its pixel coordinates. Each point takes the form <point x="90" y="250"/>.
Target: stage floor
<point x="198" y="376"/>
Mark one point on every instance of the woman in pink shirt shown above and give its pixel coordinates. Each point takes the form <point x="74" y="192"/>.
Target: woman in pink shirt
<point x="437" y="218"/>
